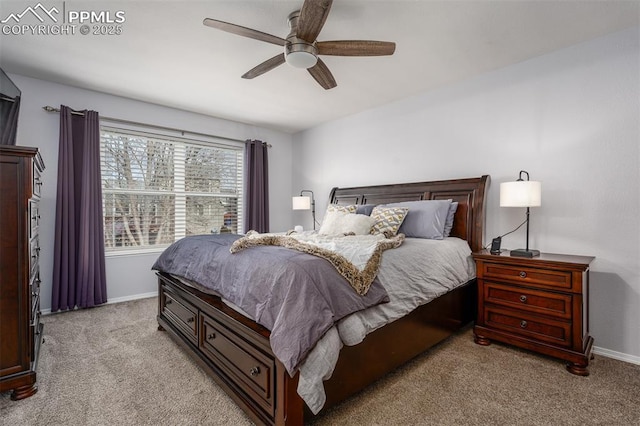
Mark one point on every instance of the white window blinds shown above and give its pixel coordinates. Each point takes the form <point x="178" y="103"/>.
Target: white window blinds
<point x="157" y="189"/>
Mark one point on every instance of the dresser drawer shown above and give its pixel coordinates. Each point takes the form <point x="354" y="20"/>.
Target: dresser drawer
<point x="544" y="278"/>
<point x="181" y="314"/>
<point x="555" y="332"/>
<point x="34" y="284"/>
<point x="35" y="307"/>
<point x="244" y="364"/>
<point x="37" y="180"/>
<point x="34" y="254"/>
<point x="34" y="218"/>
<point x="525" y="299"/>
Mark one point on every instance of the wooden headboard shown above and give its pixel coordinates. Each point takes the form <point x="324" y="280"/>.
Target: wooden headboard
<point x="469" y="193"/>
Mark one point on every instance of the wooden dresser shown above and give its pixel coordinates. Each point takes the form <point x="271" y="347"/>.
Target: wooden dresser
<point x="540" y="304"/>
<point x="20" y="327"/>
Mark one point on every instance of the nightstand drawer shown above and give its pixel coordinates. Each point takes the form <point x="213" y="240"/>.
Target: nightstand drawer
<point x="542" y="329"/>
<point x="546" y="303"/>
<point x="547" y="278"/>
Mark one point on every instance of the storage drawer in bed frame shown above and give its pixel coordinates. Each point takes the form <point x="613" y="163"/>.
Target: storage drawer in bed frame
<point x="241" y="361"/>
<point x="181" y="314"/>
<point x="245" y="367"/>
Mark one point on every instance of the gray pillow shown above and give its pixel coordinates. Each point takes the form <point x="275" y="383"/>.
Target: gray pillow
<point x="365" y="209"/>
<point x="426" y="218"/>
<point x="448" y="225"/>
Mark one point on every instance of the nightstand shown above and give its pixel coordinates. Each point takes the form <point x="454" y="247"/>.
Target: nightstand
<point x="540" y="304"/>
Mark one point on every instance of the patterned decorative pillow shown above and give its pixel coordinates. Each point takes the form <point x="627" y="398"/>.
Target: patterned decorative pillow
<point x="338" y="208"/>
<point x="388" y="220"/>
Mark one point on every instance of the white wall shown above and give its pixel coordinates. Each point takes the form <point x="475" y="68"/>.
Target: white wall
<point x="570" y="118"/>
<point x="129" y="276"/>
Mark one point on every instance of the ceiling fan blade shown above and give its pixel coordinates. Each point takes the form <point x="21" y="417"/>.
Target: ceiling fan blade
<point x="312" y="17"/>
<point x="243" y="31"/>
<point x="267" y="65"/>
<point x="356" y="48"/>
<point x="322" y="75"/>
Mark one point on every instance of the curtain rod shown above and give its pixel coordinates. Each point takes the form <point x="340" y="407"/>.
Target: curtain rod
<point x="136" y="123"/>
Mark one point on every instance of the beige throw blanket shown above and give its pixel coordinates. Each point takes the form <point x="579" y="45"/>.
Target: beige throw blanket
<point x="356" y="257"/>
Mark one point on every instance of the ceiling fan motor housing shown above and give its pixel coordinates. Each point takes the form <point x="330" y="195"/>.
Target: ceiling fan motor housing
<point x="299" y="53"/>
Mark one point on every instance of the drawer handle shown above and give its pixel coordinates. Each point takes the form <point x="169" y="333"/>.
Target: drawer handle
<point x="191" y="319"/>
<point x="211" y="336"/>
<point x="254" y="371"/>
<point x="168" y="302"/>
<point x="523" y="324"/>
<point x="523" y="298"/>
<point x="523" y="274"/>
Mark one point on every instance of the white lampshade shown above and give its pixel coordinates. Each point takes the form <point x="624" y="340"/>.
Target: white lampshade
<point x="522" y="193"/>
<point x="301" y="203"/>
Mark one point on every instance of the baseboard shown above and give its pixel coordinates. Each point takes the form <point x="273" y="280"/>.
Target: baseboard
<point x="616" y="355"/>
<point x="132" y="297"/>
<point x="118" y="300"/>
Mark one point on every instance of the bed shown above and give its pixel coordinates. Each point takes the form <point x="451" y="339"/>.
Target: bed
<point x="236" y="352"/>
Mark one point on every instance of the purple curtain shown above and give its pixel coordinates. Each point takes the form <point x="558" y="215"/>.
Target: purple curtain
<point x="257" y="186"/>
<point x="79" y="267"/>
<point x="9" y="117"/>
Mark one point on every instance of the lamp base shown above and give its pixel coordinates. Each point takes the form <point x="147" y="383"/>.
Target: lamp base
<point x="525" y="253"/>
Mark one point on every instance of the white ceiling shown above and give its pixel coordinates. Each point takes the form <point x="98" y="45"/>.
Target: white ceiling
<point x="165" y="55"/>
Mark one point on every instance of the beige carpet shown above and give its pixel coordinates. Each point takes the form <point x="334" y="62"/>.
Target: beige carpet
<point x="110" y="366"/>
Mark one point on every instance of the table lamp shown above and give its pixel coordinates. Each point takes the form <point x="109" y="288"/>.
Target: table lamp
<point x="522" y="193"/>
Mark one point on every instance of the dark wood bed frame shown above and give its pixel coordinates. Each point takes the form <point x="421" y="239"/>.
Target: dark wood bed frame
<point x="235" y="351"/>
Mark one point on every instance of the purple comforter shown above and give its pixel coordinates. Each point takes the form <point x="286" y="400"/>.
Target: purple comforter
<point x="297" y="296"/>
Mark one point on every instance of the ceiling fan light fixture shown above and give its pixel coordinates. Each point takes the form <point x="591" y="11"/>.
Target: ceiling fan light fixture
<point x="301" y="59"/>
<point x="300" y="54"/>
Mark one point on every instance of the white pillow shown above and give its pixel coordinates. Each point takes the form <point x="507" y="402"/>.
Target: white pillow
<point x="337" y="223"/>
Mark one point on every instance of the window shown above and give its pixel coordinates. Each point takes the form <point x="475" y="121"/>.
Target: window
<point x="157" y="189"/>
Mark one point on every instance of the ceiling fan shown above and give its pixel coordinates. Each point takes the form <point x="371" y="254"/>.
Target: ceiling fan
<point x="301" y="49"/>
